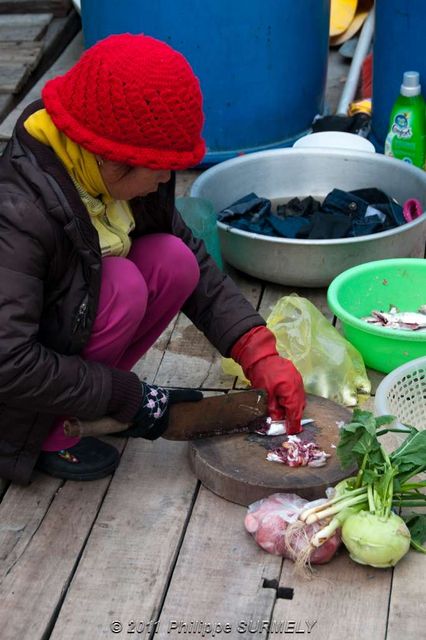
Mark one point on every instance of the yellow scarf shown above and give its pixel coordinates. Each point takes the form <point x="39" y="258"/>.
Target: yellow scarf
<point x="112" y="219"/>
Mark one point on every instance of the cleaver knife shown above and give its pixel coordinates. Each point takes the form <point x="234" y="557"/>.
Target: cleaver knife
<point x="244" y="411"/>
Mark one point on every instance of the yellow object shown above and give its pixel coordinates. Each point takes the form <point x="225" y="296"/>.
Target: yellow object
<point x="79" y="163"/>
<point x="342" y="12"/>
<point x="353" y="28"/>
<point x="330" y="366"/>
<point x="360" y="106"/>
<point x="112" y="219"/>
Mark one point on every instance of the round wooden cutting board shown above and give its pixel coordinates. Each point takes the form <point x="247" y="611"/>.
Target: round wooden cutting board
<point x="235" y="467"/>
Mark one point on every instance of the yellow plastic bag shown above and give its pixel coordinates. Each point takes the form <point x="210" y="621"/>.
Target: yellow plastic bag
<point x="330" y="366"/>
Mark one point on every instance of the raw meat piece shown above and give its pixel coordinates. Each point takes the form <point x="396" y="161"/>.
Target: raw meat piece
<point x="296" y="453"/>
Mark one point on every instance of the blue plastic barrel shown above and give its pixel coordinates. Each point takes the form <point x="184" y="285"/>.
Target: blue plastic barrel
<point x="399" y="45"/>
<point x="262" y="64"/>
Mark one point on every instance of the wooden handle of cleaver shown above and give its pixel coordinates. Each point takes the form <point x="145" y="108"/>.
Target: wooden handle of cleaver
<point x="213" y="416"/>
<point x="74" y="427"/>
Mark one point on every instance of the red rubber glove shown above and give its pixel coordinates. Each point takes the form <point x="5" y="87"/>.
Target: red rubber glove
<point x="257" y="354"/>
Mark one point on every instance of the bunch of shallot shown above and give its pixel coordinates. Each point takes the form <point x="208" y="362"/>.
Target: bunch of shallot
<point x="268" y="520"/>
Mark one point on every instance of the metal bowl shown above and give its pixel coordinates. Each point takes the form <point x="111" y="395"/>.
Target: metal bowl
<point x="285" y="173"/>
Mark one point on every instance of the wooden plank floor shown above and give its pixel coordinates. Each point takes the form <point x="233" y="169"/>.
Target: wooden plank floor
<point x="150" y="552"/>
<point x="31" y="36"/>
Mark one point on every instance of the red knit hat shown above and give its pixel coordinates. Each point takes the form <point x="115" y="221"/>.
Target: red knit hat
<point x="132" y="99"/>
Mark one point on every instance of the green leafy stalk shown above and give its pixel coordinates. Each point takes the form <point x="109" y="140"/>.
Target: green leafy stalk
<point x="395" y="430"/>
<point x="371" y="503"/>
<point x="360" y="474"/>
<point x="413" y="485"/>
<point x="408" y="503"/>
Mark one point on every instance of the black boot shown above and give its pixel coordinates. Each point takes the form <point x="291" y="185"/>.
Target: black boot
<point x="89" y="459"/>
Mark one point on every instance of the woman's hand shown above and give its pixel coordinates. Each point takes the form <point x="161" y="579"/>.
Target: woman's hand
<point x="152" y="418"/>
<point x="256" y="352"/>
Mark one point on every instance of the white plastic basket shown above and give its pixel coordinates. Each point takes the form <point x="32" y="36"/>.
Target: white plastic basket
<point x="403" y="394"/>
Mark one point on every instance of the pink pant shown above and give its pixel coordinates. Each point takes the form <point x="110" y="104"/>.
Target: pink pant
<point x="139" y="296"/>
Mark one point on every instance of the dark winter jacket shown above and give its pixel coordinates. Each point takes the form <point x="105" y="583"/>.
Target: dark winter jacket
<point x="50" y="275"/>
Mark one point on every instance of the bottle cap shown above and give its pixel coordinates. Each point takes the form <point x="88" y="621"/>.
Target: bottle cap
<point x="411" y="84"/>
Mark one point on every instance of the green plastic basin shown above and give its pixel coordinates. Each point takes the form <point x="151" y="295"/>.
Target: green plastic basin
<point x="378" y="285"/>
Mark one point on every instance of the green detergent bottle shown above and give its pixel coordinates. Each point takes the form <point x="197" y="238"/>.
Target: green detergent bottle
<point x="407" y="130"/>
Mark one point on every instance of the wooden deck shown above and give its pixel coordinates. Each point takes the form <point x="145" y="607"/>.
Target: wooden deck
<point x="150" y="552"/>
<point x="32" y="34"/>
